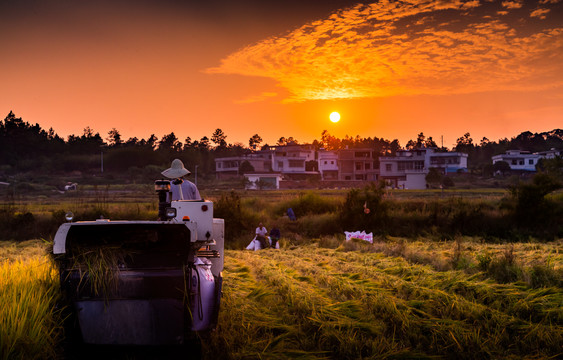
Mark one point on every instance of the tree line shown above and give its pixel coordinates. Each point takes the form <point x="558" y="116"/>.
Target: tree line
<point x="27" y="147"/>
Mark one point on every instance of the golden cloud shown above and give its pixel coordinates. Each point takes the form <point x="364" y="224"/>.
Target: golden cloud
<point x="539" y="13"/>
<point x="392" y="48"/>
<point x="512" y="4"/>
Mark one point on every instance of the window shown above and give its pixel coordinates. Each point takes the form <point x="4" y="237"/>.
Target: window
<point x="359" y="177"/>
<point x="358" y="166"/>
<point x="368" y="166"/>
<point x="296" y="163"/>
<point x="326" y="162"/>
<point x="218" y="165"/>
<point x="513" y="162"/>
<point x="280" y="164"/>
<point x="531" y="162"/>
<point x="521" y="162"/>
<point x="332" y="162"/>
<point x="388" y="167"/>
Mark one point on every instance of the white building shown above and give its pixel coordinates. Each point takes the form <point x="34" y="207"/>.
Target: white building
<point x="518" y="160"/>
<point x="550" y="154"/>
<point x="328" y="164"/>
<point x="229" y="166"/>
<point x="291" y="158"/>
<point x="408" y="168"/>
<point x="448" y="162"/>
<point x="267" y="181"/>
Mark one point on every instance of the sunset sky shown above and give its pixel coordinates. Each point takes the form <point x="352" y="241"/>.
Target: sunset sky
<point x="278" y="68"/>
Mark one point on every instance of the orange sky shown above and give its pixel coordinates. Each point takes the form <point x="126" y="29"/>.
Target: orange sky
<point x="392" y="69"/>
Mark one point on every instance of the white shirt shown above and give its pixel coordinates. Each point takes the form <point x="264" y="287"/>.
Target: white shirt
<point x="261" y="231"/>
<point x="189" y="191"/>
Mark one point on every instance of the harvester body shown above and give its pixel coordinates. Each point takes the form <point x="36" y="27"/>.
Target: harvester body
<point x="143" y="282"/>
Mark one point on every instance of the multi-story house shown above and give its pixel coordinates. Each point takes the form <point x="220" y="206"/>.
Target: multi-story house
<point x="357" y="164"/>
<point x="291" y="159"/>
<point x="227" y="167"/>
<point x="408" y="168"/>
<point x="448" y="162"/>
<point x="328" y="164"/>
<point x="518" y="160"/>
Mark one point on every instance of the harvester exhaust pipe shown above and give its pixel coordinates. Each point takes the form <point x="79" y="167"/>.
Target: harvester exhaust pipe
<point x="162" y="188"/>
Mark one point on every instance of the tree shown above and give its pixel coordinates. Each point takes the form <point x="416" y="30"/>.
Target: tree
<point x="245" y="167"/>
<point x="394" y="146"/>
<point x="330" y="142"/>
<point x="114" y="138"/>
<point x="420" y="140"/>
<point x="501" y="166"/>
<point x="464" y="143"/>
<point x="254" y="141"/>
<point x="170" y="142"/>
<point x="187" y="143"/>
<point x="219" y="138"/>
<point x="430" y="142"/>
<point x="203" y="143"/>
<point x="434" y="177"/>
<point x="287" y="141"/>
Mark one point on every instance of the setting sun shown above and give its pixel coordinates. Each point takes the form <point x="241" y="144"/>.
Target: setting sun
<point x="335" y="117"/>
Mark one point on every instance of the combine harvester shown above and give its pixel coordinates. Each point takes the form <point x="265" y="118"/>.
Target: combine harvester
<point x="149" y="283"/>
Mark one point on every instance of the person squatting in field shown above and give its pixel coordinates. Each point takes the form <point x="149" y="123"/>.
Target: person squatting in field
<point x="262" y="241"/>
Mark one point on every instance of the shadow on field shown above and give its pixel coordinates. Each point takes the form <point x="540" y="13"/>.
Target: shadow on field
<point x="191" y="351"/>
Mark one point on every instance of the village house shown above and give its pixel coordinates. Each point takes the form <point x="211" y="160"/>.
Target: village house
<point x="282" y="164"/>
<point x="328" y="164"/>
<point x="408" y="168"/>
<point x="519" y="161"/>
<point x="357" y="164"/>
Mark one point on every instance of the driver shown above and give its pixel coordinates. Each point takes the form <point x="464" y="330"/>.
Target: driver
<point x="181" y="189"/>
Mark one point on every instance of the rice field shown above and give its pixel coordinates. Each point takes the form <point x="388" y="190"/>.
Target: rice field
<point x="29" y="320"/>
<point x="312" y="302"/>
<point x="331" y="299"/>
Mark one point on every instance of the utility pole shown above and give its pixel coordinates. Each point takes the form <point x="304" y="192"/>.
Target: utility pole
<point x="196" y="175"/>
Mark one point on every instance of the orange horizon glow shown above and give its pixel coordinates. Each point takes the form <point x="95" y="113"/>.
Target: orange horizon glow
<point x="393" y="70"/>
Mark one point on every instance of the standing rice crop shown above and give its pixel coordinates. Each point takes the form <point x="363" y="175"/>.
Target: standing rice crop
<point x="29" y="323"/>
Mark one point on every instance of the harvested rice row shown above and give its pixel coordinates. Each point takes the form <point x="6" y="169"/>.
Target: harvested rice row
<point x="535" y="305"/>
<point x="445" y="315"/>
<point x="340" y="329"/>
<point x="251" y="324"/>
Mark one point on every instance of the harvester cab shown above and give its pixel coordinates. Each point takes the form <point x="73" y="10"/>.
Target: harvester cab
<point x="143" y="282"/>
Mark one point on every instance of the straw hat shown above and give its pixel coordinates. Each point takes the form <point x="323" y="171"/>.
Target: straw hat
<point x="176" y="170"/>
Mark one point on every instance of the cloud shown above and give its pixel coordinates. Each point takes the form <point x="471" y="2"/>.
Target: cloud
<point x="512" y="4"/>
<point x="539" y="13"/>
<point x="414" y="47"/>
